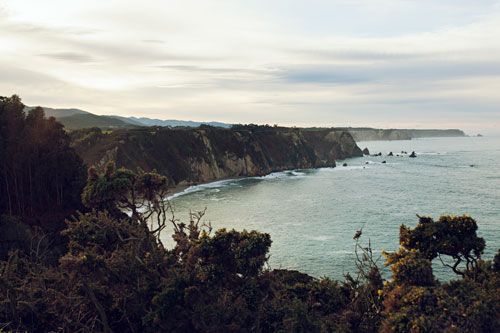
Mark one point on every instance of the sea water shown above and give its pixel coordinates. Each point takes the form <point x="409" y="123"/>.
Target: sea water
<point x="312" y="215"/>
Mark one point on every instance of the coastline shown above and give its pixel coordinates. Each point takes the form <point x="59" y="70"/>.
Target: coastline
<point x="178" y="190"/>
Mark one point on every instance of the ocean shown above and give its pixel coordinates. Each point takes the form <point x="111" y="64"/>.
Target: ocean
<point x="312" y="215"/>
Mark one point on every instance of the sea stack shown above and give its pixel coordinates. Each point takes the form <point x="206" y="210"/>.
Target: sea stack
<point x="413" y="154"/>
<point x="366" y="151"/>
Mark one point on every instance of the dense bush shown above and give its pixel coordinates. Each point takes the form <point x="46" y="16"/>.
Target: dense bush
<point x="117" y="276"/>
<point x="415" y="301"/>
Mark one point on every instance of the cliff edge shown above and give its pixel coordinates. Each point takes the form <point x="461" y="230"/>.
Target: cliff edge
<point x="196" y="155"/>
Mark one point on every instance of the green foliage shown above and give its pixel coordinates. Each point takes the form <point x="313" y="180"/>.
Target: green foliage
<point x="41" y="178"/>
<point x="496" y="262"/>
<point x="415" y="302"/>
<point x="231" y="254"/>
<point x="109" y="190"/>
<point x="38" y="168"/>
<point x="458" y="306"/>
<point x="121" y="190"/>
<point x="410" y="268"/>
<point x="116" y="275"/>
<point x="454" y="236"/>
<point x="86" y="137"/>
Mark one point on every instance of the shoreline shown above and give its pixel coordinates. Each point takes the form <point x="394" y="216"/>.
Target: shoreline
<point x="177" y="190"/>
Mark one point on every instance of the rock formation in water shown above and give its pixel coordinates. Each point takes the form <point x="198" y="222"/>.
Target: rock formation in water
<point x="190" y="156"/>
<point x="366" y="151"/>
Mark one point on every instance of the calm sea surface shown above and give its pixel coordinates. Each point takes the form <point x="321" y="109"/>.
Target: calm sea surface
<point x="313" y="214"/>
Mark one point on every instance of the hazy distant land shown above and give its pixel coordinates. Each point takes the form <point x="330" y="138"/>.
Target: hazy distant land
<point x="77" y="119"/>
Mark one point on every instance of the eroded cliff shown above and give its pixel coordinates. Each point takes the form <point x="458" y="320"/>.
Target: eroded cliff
<point x="190" y="156"/>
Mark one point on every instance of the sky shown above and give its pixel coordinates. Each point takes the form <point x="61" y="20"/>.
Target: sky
<point x="377" y="63"/>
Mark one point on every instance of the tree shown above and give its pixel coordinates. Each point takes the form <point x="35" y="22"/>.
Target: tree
<point x="454" y="236"/>
<point x="415" y="302"/>
<point x="142" y="195"/>
<point x="38" y="167"/>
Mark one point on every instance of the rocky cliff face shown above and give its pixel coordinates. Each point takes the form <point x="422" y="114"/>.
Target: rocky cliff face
<point x="190" y="156"/>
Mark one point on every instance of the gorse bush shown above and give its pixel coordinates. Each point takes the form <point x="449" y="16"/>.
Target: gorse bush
<point x="116" y="275"/>
<point x="415" y="301"/>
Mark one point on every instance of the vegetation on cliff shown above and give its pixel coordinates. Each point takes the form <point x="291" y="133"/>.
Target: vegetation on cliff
<point x="115" y="275"/>
<point x="194" y="155"/>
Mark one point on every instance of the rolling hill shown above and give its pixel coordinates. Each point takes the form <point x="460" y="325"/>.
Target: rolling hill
<point x="77" y="119"/>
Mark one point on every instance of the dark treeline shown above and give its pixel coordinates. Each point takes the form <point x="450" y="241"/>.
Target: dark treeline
<point x="41" y="177"/>
<point x="37" y="169"/>
<point x="114" y="273"/>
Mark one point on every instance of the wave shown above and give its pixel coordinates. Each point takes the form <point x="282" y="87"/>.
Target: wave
<point x="196" y="188"/>
<point x="280" y="175"/>
<point x="432" y="153"/>
<point x="217" y="185"/>
<point x="343" y="168"/>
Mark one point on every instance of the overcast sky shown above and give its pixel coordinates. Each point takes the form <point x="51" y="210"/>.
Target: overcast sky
<point x="379" y="63"/>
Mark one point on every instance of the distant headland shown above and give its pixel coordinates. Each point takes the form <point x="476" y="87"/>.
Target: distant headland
<point x="74" y="119"/>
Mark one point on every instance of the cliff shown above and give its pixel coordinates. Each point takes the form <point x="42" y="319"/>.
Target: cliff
<point x="371" y="134"/>
<point x="194" y="155"/>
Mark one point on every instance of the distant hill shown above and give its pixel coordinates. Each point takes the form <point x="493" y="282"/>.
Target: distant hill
<point x="177" y="123"/>
<point x="128" y="120"/>
<point x="78" y="119"/>
<point x="58" y="113"/>
<point x="87" y="120"/>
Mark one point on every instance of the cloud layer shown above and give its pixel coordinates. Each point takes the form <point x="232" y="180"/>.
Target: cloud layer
<point x="398" y="63"/>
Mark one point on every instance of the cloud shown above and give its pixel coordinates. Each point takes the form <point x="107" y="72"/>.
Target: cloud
<point x="350" y="55"/>
<point x="69" y="56"/>
<point x="153" y="41"/>
<point x="290" y="62"/>
<point x="389" y="71"/>
<point x="214" y="70"/>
